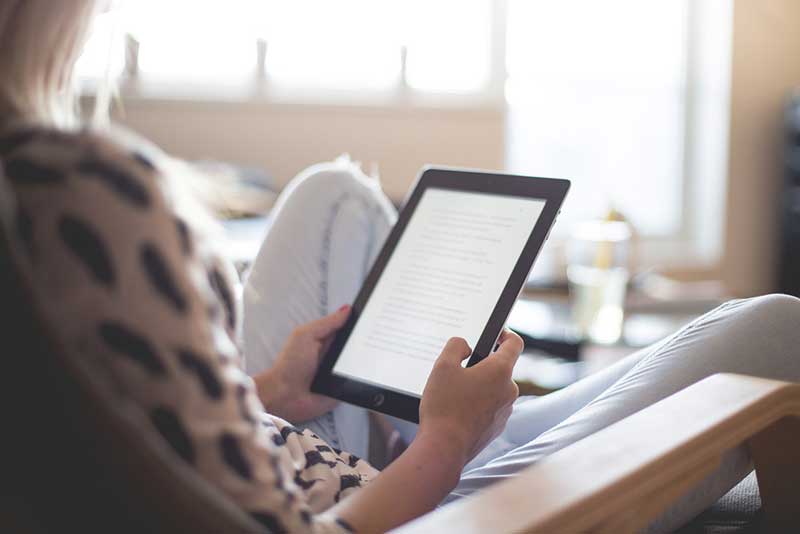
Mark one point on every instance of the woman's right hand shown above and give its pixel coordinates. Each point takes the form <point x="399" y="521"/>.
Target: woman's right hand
<point x="462" y="409"/>
<point x="468" y="407"/>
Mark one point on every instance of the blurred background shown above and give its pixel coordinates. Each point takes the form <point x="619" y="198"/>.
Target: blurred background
<point x="672" y="117"/>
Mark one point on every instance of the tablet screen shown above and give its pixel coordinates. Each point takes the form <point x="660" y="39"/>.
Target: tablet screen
<point x="444" y="279"/>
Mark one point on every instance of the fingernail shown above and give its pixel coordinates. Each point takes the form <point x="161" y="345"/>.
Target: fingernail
<point x="343" y="308"/>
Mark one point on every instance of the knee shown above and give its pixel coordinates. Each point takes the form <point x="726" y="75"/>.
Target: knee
<point x="775" y="308"/>
<point x="757" y="336"/>
<point x="336" y="192"/>
<point x="331" y="181"/>
<point x="769" y="321"/>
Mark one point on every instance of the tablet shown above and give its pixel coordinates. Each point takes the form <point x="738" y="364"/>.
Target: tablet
<point x="453" y="265"/>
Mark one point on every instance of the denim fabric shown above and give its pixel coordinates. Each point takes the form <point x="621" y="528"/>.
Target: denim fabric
<point x="328" y="227"/>
<point x="757" y="337"/>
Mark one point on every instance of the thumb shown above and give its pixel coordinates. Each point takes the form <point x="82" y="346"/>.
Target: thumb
<point x="511" y="345"/>
<point x="455" y="351"/>
<point x="324" y="327"/>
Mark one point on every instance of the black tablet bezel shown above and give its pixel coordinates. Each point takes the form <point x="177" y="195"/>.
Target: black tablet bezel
<point x="406" y="406"/>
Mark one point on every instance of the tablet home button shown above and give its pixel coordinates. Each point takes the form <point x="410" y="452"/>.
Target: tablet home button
<point x="377" y="399"/>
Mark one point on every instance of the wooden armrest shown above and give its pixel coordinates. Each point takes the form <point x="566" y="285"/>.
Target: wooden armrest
<point x="624" y="476"/>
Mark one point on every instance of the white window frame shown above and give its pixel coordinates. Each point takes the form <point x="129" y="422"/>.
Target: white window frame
<point x="261" y="89"/>
<point x="697" y="246"/>
<point x="698" y="243"/>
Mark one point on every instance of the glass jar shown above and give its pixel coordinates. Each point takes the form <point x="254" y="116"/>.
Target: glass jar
<point x="597" y="270"/>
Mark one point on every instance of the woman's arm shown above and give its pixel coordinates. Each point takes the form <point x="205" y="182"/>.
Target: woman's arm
<point x="411" y="486"/>
<point x="462" y="410"/>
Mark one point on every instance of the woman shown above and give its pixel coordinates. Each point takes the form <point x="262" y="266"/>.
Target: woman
<point x="128" y="280"/>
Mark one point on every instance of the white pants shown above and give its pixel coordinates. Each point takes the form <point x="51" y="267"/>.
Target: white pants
<point x="328" y="227"/>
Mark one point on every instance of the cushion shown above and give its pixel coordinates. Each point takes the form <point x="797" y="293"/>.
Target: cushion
<point x="737" y="512"/>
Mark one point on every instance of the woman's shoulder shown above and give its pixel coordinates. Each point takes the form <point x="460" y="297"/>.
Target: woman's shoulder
<point x="120" y="187"/>
<point x="33" y="153"/>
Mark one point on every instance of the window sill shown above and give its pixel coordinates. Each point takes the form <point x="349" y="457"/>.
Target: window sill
<point x="255" y="94"/>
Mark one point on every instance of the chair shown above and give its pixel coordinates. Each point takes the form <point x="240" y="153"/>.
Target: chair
<point x="77" y="456"/>
<point x="622" y="477"/>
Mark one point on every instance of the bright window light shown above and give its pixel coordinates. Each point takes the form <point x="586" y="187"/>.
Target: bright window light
<point x="449" y="44"/>
<point x="348" y="44"/>
<point x="596" y="91"/>
<point x="103" y="53"/>
<point x="194" y="40"/>
<point x="596" y="94"/>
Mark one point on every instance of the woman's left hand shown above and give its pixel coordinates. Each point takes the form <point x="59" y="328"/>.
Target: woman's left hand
<point x="284" y="389"/>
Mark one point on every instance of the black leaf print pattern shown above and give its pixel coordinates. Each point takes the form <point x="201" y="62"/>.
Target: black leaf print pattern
<point x="302" y="483"/>
<point x="289" y="429"/>
<point x="345" y="525"/>
<point x="222" y="290"/>
<point x="273" y="524"/>
<point x="11" y="142"/>
<point x="139" y="158"/>
<point x="160" y="276"/>
<point x="350" y="481"/>
<point x="184" y="236"/>
<point x="124" y="341"/>
<point x="315" y="458"/>
<point x="305" y="516"/>
<point x="346" y="482"/>
<point x="88" y="247"/>
<point x="169" y="426"/>
<point x="232" y="454"/>
<point x="244" y="409"/>
<point x="201" y="369"/>
<point x="25" y="172"/>
<point x="120" y="182"/>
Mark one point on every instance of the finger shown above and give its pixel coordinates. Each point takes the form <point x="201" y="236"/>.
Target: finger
<point x="455" y="351"/>
<point x="503" y="335"/>
<point x="322" y="328"/>
<point x="511" y="346"/>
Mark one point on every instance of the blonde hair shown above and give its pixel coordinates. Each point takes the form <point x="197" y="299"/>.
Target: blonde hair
<point x="40" y="41"/>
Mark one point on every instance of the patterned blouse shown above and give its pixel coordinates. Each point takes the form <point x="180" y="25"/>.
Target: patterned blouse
<point x="126" y="281"/>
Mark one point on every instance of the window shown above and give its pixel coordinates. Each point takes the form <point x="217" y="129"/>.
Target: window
<point x="360" y="45"/>
<point x="627" y="98"/>
<point x="351" y="44"/>
<point x="194" y="41"/>
<point x="597" y="94"/>
<point x="449" y="45"/>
